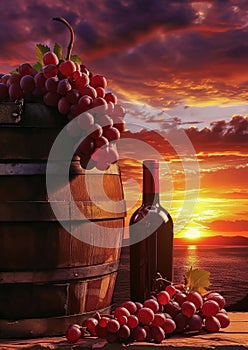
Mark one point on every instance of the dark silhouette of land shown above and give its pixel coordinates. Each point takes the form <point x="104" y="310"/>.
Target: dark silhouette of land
<point x="213" y="240"/>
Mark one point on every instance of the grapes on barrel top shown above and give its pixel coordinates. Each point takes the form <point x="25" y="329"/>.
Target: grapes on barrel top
<point x="76" y="92"/>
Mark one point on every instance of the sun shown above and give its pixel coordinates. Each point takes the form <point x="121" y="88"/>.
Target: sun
<point x="192" y="233"/>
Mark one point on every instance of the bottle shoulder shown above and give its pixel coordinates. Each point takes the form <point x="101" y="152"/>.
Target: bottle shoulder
<point x="155" y="210"/>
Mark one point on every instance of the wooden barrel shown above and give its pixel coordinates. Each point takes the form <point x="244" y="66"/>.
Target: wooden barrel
<point x="50" y="278"/>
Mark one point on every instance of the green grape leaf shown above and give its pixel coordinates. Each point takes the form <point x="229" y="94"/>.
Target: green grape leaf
<point x="197" y="280"/>
<point x="76" y="58"/>
<point x="15" y="71"/>
<point x="40" y="51"/>
<point x="37" y="66"/>
<point x="57" y="49"/>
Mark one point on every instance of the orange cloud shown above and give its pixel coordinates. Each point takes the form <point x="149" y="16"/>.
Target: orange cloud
<point x="229" y="226"/>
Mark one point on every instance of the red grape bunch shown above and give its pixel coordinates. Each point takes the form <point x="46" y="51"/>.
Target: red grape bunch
<point x="77" y="93"/>
<point x="169" y="311"/>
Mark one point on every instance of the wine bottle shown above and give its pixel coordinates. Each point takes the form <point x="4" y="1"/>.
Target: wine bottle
<point x="151" y="237"/>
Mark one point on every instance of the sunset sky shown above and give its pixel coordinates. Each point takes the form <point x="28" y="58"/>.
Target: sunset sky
<point x="180" y="69"/>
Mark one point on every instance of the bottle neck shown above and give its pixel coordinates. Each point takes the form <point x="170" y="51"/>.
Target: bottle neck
<point x="150" y="185"/>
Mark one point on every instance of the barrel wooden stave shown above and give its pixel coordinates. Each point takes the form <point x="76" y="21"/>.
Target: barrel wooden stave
<point x="37" y="246"/>
<point x="30" y="300"/>
<point x="46" y="273"/>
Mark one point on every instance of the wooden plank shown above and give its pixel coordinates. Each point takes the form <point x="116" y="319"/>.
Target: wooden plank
<point x="228" y="339"/>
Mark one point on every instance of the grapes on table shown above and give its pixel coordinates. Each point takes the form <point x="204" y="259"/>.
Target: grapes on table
<point x="160" y="316"/>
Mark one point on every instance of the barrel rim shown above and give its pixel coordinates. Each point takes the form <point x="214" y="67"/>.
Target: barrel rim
<point x="58" y="275"/>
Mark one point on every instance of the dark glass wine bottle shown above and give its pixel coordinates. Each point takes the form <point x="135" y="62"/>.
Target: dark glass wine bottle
<point x="151" y="237"/>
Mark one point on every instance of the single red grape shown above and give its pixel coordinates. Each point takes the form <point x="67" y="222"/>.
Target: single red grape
<point x="51" y="99"/>
<point x="14" y="78"/>
<point x="132" y="321"/>
<point x="130" y="306"/>
<point x="27" y="83"/>
<point x="122" y="319"/>
<point x="180" y="297"/>
<point x="139" y="333"/>
<point x="63" y="87"/>
<point x="63" y="105"/>
<point x="103" y="321"/>
<point x="195" y="298"/>
<point x="67" y="68"/>
<point x="50" y="58"/>
<point x="113" y="326"/>
<point x="73" y="333"/>
<point x="110" y="97"/>
<point x="85" y="102"/>
<point x="25" y="69"/>
<point x="188" y="308"/>
<point x="212" y="324"/>
<point x="158" y="334"/>
<point x="91" y="324"/>
<point x="159" y="319"/>
<point x="100" y="92"/>
<point x="15" y="91"/>
<point x="210" y="308"/>
<point x="85" y="120"/>
<point x="90" y="91"/>
<point x="49" y="71"/>
<point x="195" y="323"/>
<point x="163" y="297"/>
<point x="124" y="332"/>
<point x="169" y="326"/>
<point x="121" y="311"/>
<point x="119" y="111"/>
<point x="223" y="319"/>
<point x="145" y="315"/>
<point x="151" y="304"/>
<point x="73" y="96"/>
<point x="40" y="80"/>
<point x="111" y="133"/>
<point x="51" y="84"/>
<point x="98" y="81"/>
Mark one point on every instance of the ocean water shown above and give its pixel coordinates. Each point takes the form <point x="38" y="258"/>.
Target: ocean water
<point x="228" y="267"/>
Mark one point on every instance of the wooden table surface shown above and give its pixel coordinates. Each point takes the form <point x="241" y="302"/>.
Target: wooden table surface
<point x="235" y="337"/>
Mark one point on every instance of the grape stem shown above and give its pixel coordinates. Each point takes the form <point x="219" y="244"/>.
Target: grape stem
<point x="70" y="46"/>
<point x="98" y="316"/>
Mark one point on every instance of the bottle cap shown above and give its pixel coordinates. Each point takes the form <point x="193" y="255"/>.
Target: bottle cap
<point x="151" y="163"/>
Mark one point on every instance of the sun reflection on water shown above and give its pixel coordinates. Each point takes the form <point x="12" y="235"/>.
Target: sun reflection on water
<point x="192" y="256"/>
